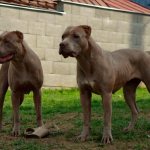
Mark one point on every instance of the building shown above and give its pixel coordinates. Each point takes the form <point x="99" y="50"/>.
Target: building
<point x="115" y="24"/>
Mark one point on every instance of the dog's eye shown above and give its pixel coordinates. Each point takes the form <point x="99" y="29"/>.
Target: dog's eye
<point x="7" y="43"/>
<point x="76" y="36"/>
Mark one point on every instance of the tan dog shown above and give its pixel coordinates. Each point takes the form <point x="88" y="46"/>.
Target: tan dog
<point x="23" y="74"/>
<point x="104" y="73"/>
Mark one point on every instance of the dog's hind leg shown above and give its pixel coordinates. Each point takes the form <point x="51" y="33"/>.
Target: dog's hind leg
<point x="129" y="91"/>
<point x="3" y="87"/>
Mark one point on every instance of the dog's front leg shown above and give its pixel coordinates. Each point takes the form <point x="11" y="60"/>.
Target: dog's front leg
<point x="85" y="97"/>
<point x="106" y="100"/>
<point x="16" y="120"/>
<point x="37" y="104"/>
<point x="3" y="88"/>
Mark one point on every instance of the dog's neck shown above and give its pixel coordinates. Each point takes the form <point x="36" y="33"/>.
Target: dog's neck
<point x="19" y="57"/>
<point x="87" y="57"/>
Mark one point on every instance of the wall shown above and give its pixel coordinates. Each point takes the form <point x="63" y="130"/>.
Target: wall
<point x="42" y="31"/>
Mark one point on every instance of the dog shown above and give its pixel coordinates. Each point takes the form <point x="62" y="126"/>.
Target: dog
<point x="22" y="71"/>
<point x="103" y="72"/>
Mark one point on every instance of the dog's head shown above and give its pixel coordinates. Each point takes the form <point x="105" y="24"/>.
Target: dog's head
<point x="74" y="41"/>
<point x="10" y="45"/>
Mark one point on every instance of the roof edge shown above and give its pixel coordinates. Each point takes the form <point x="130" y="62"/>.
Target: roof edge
<point x="31" y="8"/>
<point x="102" y="7"/>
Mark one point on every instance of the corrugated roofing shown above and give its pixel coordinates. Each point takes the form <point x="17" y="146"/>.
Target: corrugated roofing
<point x="47" y="4"/>
<point x="119" y="4"/>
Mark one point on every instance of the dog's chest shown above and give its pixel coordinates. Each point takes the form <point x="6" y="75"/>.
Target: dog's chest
<point x="92" y="84"/>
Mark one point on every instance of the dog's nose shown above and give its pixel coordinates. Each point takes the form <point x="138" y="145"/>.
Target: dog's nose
<point x="62" y="45"/>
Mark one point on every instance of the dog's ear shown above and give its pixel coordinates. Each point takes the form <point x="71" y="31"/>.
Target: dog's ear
<point x="19" y="34"/>
<point x="87" y="30"/>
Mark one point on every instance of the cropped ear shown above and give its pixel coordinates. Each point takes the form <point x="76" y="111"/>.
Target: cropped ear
<point x="19" y="34"/>
<point x="87" y="30"/>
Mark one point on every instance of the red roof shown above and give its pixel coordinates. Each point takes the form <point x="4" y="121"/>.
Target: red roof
<point x="50" y="4"/>
<point x="119" y="4"/>
<point x="47" y="4"/>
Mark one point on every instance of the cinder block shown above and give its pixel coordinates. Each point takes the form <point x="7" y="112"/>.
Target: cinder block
<point x="62" y="20"/>
<point x="103" y="37"/>
<point x="143" y="19"/>
<point x="109" y="25"/>
<point x="47" y="67"/>
<point x="30" y="39"/>
<point x="146" y="48"/>
<point x="78" y="20"/>
<point x="1" y="32"/>
<point x="128" y="17"/>
<point x="115" y="37"/>
<point x="101" y="13"/>
<point x="45" y="41"/>
<point x="64" y="68"/>
<point x="147" y="28"/>
<point x="86" y="11"/>
<point x="122" y="46"/>
<point x="53" y="30"/>
<point x="46" y="17"/>
<point x="129" y="39"/>
<point x="75" y="10"/>
<point x="13" y="24"/>
<point x="20" y="25"/>
<point x="56" y="80"/>
<point x="61" y="68"/>
<point x="52" y="55"/>
<point x="137" y="28"/>
<point x="9" y="13"/>
<point x="28" y="15"/>
<point x="40" y="52"/>
<point x="108" y="46"/>
<point x="68" y="81"/>
<point x="124" y="27"/>
<point x="116" y="15"/>
<point x="95" y="23"/>
<point x="96" y="35"/>
<point x="57" y="41"/>
<point x="67" y="8"/>
<point x="73" y="68"/>
<point x="37" y="28"/>
<point x="52" y="80"/>
<point x="146" y="39"/>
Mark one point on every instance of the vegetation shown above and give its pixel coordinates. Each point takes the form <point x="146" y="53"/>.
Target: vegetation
<point x="63" y="108"/>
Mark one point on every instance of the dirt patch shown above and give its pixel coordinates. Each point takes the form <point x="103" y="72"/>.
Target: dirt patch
<point x="64" y="139"/>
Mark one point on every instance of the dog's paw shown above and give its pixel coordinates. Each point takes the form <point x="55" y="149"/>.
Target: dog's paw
<point x="107" y="137"/>
<point x="82" y="137"/>
<point x="84" y="134"/>
<point x="15" y="132"/>
<point x="129" y="128"/>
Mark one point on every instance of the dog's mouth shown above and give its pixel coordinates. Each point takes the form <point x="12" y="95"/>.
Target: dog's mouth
<point x="6" y="58"/>
<point x="67" y="54"/>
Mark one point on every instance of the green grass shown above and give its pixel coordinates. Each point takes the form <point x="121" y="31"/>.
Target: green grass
<point x="63" y="108"/>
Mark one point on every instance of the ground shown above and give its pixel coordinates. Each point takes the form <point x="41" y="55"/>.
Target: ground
<point x="62" y="108"/>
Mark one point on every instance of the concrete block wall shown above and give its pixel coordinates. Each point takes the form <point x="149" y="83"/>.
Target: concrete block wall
<point x="111" y="29"/>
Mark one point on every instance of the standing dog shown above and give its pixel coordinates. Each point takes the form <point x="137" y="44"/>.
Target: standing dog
<point x="104" y="73"/>
<point x="23" y="74"/>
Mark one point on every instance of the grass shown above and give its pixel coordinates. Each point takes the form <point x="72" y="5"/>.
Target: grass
<point x="63" y="108"/>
